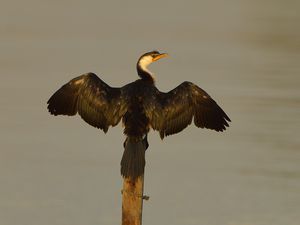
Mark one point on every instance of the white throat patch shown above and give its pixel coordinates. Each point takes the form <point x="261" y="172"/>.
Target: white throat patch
<point x="145" y="62"/>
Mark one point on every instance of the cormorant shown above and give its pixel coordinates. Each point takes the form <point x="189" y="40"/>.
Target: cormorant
<point x="141" y="106"/>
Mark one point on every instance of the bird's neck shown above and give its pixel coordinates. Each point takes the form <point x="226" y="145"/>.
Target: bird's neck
<point x="144" y="73"/>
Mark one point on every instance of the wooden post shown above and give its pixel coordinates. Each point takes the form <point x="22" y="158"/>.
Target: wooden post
<point x="132" y="201"/>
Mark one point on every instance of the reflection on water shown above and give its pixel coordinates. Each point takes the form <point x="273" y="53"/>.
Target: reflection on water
<point x="246" y="54"/>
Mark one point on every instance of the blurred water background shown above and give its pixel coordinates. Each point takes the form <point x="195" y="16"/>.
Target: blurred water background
<point x="245" y="54"/>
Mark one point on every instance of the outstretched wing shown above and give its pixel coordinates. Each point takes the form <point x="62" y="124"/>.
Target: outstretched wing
<point x="96" y="102"/>
<point x="171" y="112"/>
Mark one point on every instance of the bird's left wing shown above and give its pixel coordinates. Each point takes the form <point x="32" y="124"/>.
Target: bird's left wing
<point x="96" y="102"/>
<point x="171" y="112"/>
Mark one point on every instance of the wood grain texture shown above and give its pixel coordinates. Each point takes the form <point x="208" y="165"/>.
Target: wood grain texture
<point x="132" y="201"/>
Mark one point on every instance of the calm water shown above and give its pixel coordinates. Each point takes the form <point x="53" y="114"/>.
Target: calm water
<point x="246" y="54"/>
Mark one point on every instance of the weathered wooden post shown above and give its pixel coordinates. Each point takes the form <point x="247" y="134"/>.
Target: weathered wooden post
<point x="132" y="201"/>
<point x="133" y="170"/>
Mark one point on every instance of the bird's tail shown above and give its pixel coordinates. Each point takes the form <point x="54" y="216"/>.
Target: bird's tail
<point x="133" y="160"/>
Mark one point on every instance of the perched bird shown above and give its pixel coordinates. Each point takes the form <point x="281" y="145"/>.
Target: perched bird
<point x="141" y="106"/>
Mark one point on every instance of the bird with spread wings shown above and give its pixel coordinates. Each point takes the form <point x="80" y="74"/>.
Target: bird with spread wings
<point x="140" y="106"/>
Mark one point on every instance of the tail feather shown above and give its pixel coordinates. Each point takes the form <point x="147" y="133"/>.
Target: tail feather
<point x="133" y="160"/>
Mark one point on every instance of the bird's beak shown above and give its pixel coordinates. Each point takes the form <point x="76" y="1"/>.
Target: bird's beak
<point x="162" y="55"/>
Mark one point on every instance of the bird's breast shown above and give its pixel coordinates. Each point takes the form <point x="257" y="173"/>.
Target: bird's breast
<point x="135" y="120"/>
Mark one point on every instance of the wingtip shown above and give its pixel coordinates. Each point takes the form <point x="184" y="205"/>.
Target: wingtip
<point x="227" y="117"/>
<point x="51" y="110"/>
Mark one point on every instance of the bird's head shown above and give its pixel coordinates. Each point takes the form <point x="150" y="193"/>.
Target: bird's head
<point x="146" y="59"/>
<point x="150" y="57"/>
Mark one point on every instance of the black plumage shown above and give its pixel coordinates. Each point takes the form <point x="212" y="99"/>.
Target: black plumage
<point x="141" y="106"/>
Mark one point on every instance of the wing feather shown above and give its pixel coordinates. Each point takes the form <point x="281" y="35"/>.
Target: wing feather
<point x="173" y="111"/>
<point x="97" y="103"/>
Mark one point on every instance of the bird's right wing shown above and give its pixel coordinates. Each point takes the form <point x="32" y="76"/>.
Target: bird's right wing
<point x="171" y="112"/>
<point x="96" y="102"/>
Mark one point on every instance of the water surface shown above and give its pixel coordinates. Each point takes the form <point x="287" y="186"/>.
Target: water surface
<point x="245" y="54"/>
